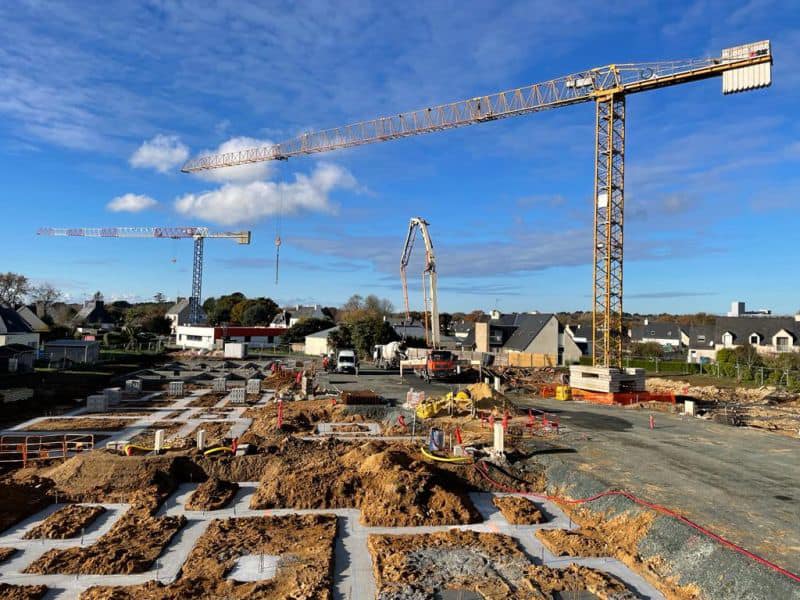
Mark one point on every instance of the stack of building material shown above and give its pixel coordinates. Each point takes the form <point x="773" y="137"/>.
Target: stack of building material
<point x="97" y="403"/>
<point x="606" y="380"/>
<point x="113" y="395"/>
<point x="133" y="386"/>
<point x="253" y="386"/>
<point x="176" y="389"/>
<point x="220" y="384"/>
<point x="361" y="397"/>
<point x="237" y="395"/>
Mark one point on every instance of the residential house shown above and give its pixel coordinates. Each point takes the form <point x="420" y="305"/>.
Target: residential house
<point x="32" y="319"/>
<point x="204" y="337"/>
<point x="14" y="329"/>
<point x="178" y="314"/>
<point x="413" y="328"/>
<point x="702" y="348"/>
<point x="92" y="317"/>
<point x="533" y="333"/>
<point x="293" y="315"/>
<point x="16" y="358"/>
<point x="317" y="343"/>
<point x="72" y="351"/>
<point x="670" y="336"/>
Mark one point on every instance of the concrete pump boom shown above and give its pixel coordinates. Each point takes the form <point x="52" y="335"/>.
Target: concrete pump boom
<point x="418" y="223"/>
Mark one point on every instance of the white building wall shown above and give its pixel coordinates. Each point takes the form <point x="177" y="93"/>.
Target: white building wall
<point x="199" y="338"/>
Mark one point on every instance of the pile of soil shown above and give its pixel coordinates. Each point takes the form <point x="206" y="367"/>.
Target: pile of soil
<point x="22" y="592"/>
<point x="298" y="417"/>
<point x="147" y="437"/>
<point x="6" y="553"/>
<point x="131" y="546"/>
<point x="279" y="381"/>
<point x="490" y="565"/>
<point x="518" y="510"/>
<point x="21" y="499"/>
<point x="67" y="522"/>
<point x="79" y="424"/>
<point x="207" y="400"/>
<point x="389" y="483"/>
<point x="617" y="537"/>
<point x="212" y="494"/>
<point x="304" y="544"/>
<point x="360" y="397"/>
<point x="216" y="431"/>
<point x="101" y="476"/>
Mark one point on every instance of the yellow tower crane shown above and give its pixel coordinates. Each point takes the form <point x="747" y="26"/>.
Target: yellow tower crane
<point x="742" y="68"/>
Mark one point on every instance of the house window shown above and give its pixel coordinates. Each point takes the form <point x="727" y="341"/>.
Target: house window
<point x="701" y="339"/>
<point x="755" y="339"/>
<point x="194" y="338"/>
<point x="782" y="343"/>
<point x="727" y="339"/>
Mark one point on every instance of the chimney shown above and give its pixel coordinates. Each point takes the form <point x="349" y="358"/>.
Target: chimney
<point x="496" y="314"/>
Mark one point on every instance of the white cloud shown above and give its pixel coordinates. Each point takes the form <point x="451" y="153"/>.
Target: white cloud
<point x="163" y="153"/>
<point x="242" y="173"/>
<point x="131" y="203"/>
<point x="248" y="202"/>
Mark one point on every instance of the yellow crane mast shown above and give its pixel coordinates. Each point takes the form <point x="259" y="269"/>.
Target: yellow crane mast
<point x="742" y="68"/>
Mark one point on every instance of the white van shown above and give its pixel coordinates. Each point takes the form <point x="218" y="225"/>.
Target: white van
<point x="346" y="362"/>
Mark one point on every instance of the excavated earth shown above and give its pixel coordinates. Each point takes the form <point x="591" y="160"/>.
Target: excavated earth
<point x="388" y="482"/>
<point x="207" y="400"/>
<point x="491" y="565"/>
<point x="131" y="546"/>
<point x="6" y="553"/>
<point x="22" y="592"/>
<point x="66" y="522"/>
<point x="518" y="511"/>
<point x="148" y="437"/>
<point x="212" y="494"/>
<point x="298" y="417"/>
<point x="78" y="424"/>
<point x="216" y="432"/>
<point x="303" y="543"/>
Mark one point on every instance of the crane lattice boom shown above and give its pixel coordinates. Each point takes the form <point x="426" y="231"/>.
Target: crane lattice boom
<point x="742" y="68"/>
<point x="198" y="234"/>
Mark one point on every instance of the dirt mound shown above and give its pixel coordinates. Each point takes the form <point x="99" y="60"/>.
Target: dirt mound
<point x="101" y="476"/>
<point x="22" y="592"/>
<point x="216" y="432"/>
<point x="518" y="511"/>
<point x="480" y="391"/>
<point x="389" y="483"/>
<point x="618" y="537"/>
<point x="301" y="416"/>
<point x="303" y="543"/>
<point x="86" y="424"/>
<point x="487" y="564"/>
<point x="235" y="468"/>
<point x="212" y="494"/>
<point x="67" y="522"/>
<point x="6" y="553"/>
<point x="131" y="546"/>
<point x="207" y="400"/>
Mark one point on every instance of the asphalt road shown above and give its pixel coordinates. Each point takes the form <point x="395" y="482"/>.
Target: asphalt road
<point x="743" y="483"/>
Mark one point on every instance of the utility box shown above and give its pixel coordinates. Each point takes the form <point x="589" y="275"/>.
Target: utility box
<point x="253" y="386"/>
<point x="237" y="395"/>
<point x="96" y="403"/>
<point x="176" y="389"/>
<point x="201" y="439"/>
<point x="689" y="408"/>
<point x="220" y="384"/>
<point x="235" y="350"/>
<point x="133" y="386"/>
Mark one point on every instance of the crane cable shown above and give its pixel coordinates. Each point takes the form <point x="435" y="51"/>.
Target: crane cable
<point x="278" y="231"/>
<point x="483" y="471"/>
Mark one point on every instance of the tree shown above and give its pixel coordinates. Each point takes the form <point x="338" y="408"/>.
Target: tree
<point x="46" y="294"/>
<point x="221" y="312"/>
<point x="647" y="349"/>
<point x="13" y="288"/>
<point x="341" y="338"/>
<point x="159" y="298"/>
<point x="379" y="306"/>
<point x="97" y="296"/>
<point x="259" y="312"/>
<point x="355" y="302"/>
<point x="297" y="333"/>
<point x="362" y="334"/>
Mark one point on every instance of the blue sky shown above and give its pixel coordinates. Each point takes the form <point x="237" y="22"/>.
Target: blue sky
<point x="101" y="102"/>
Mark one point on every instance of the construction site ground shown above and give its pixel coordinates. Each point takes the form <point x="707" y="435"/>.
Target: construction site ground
<point x="354" y="510"/>
<point x="743" y="483"/>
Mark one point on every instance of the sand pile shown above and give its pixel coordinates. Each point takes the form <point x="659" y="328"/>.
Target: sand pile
<point x="389" y="483"/>
<point x="304" y="545"/>
<point x="22" y="592"/>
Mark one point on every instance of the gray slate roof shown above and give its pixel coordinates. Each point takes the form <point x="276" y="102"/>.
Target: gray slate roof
<point x="766" y="327"/>
<point x="93" y="312"/>
<point x="657" y="330"/>
<point x="180" y="306"/>
<point x="527" y="328"/>
<point x="12" y="322"/>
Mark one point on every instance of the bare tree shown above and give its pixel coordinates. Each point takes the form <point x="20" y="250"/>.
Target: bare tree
<point x="46" y="293"/>
<point x="159" y="297"/>
<point x="13" y="288"/>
